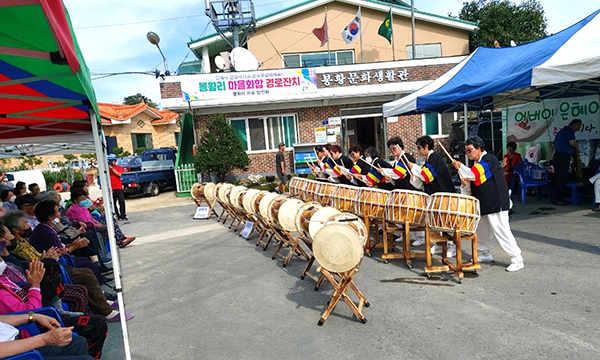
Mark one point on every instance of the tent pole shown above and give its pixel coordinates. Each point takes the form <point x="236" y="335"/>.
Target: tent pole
<point x="108" y="211"/>
<point x="465" y="110"/>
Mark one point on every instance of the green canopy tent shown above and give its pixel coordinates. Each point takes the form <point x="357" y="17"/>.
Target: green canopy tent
<point x="47" y="102"/>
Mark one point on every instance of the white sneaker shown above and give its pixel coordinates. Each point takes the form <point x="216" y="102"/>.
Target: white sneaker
<point x="516" y="264"/>
<point x="419" y="242"/>
<point x="397" y="238"/>
<point x="485" y="256"/>
<point x="451" y="252"/>
<point x="436" y="249"/>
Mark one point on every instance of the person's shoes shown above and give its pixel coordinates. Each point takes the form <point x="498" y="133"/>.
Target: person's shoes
<point x="516" y="264"/>
<point x="596" y="208"/>
<point x="123" y="217"/>
<point x="277" y="191"/>
<point x="115" y="317"/>
<point x="451" y="252"/>
<point x="485" y="256"/>
<point x="436" y="249"/>
<point x="110" y="296"/>
<point x="561" y="203"/>
<point x="115" y="305"/>
<point x="397" y="238"/>
<point x="126" y="241"/>
<point x="419" y="242"/>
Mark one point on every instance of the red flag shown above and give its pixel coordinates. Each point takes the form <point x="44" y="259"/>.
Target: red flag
<point x="321" y="33"/>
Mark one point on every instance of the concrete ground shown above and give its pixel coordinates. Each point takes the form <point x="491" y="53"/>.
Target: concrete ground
<point x="198" y="291"/>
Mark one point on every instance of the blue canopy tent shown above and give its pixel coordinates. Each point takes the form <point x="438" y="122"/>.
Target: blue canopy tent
<point x="565" y="64"/>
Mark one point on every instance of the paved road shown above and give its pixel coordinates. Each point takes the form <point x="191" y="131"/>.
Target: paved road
<point x="199" y="291"/>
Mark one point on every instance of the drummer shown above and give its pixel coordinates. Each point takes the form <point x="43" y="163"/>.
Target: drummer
<point x="372" y="158"/>
<point x="342" y="161"/>
<point x="433" y="177"/>
<point x="397" y="175"/>
<point x="322" y="155"/>
<point x="485" y="180"/>
<point x="358" y="172"/>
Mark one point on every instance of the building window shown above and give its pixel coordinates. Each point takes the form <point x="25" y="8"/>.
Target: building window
<point x="139" y="141"/>
<point x="265" y="133"/>
<point x="424" y="51"/>
<point x="435" y="124"/>
<point x="318" y="59"/>
<point x="111" y="143"/>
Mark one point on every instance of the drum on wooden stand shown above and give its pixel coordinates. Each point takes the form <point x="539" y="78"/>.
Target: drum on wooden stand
<point x="303" y="216"/>
<point x="320" y="217"/>
<point x="309" y="190"/>
<point x="223" y="192"/>
<point x="264" y="206"/>
<point x="287" y="214"/>
<point x="197" y="191"/>
<point x="296" y="185"/>
<point x="453" y="212"/>
<point x="209" y="191"/>
<point x="407" y="206"/>
<point x="274" y="207"/>
<point x="323" y="192"/>
<point x="248" y="200"/>
<point x="344" y="198"/>
<point x="337" y="246"/>
<point x="371" y="203"/>
<point x="234" y="196"/>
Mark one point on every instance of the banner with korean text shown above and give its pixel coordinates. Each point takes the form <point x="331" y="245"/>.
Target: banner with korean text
<point x="248" y="85"/>
<point x="540" y="122"/>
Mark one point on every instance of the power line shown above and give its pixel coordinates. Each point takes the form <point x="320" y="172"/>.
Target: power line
<point x="137" y="22"/>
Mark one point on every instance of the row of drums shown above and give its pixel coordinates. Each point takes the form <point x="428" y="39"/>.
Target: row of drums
<point x="337" y="237"/>
<point x="447" y="212"/>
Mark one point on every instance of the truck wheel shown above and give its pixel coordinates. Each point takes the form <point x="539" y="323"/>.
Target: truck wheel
<point x="154" y="189"/>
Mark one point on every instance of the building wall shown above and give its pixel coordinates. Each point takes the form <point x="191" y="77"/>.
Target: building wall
<point x="294" y="35"/>
<point x="162" y="135"/>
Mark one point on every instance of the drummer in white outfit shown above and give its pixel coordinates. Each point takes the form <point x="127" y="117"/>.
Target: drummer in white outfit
<point x="485" y="180"/>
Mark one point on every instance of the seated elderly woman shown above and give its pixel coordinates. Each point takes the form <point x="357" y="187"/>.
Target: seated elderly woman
<point x="8" y="200"/>
<point x="56" y="343"/>
<point x="27" y="295"/>
<point x="78" y="212"/>
<point x="69" y="231"/>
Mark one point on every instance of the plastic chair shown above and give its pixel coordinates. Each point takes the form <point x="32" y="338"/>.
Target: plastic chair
<point x="525" y="172"/>
<point x="30" y="355"/>
<point x="574" y="198"/>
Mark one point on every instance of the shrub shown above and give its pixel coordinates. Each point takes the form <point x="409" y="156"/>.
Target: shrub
<point x="64" y="175"/>
<point x="254" y="180"/>
<point x="219" y="149"/>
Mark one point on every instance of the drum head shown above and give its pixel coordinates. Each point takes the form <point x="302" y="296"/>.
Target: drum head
<point x="298" y="217"/>
<point x="223" y="192"/>
<point x="265" y="205"/>
<point x="337" y="247"/>
<point x="281" y="199"/>
<point x="355" y="223"/>
<point x="249" y="200"/>
<point x="235" y="195"/>
<point x="197" y="191"/>
<point x="287" y="214"/>
<point x="320" y="217"/>
<point x="209" y="191"/>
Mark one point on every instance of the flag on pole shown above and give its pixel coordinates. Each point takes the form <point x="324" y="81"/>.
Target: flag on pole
<point x="321" y="33"/>
<point x="385" y="29"/>
<point x="352" y="31"/>
<point x="374" y="177"/>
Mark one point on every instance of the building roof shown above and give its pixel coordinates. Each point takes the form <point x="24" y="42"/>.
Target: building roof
<point x="117" y="114"/>
<point x="398" y="7"/>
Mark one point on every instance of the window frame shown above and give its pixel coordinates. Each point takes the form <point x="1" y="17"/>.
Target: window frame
<point x="422" y="45"/>
<point x="439" y="124"/>
<point x="268" y="131"/>
<point x="335" y="53"/>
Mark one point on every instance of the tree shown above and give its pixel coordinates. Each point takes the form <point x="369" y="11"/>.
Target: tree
<point x="137" y="98"/>
<point x="503" y="21"/>
<point x="219" y="149"/>
<point x="90" y="158"/>
<point x="31" y="161"/>
<point x="120" y="153"/>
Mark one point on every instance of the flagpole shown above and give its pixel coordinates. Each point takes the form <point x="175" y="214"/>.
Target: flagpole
<point x="412" y="23"/>
<point x="327" y="34"/>
<point x="360" y="29"/>
<point x="392" y="27"/>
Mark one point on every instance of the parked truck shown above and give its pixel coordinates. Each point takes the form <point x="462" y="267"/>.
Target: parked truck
<point x="157" y="173"/>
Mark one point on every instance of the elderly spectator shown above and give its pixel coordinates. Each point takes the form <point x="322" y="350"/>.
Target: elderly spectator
<point x="8" y="200"/>
<point x="27" y="203"/>
<point x="510" y="160"/>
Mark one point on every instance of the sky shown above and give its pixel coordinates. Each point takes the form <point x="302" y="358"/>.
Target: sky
<point x="112" y="35"/>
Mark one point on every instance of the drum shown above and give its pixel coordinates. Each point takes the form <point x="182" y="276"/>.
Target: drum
<point x="451" y="212"/>
<point x="338" y="247"/>
<point x="303" y="216"/>
<point x="355" y="223"/>
<point x="248" y="200"/>
<point x="309" y="190"/>
<point x="234" y="195"/>
<point x="223" y="192"/>
<point x="263" y="206"/>
<point x="344" y="198"/>
<point x="371" y="202"/>
<point x="296" y="184"/>
<point x="209" y="191"/>
<point x="407" y="206"/>
<point x="323" y="192"/>
<point x="274" y="207"/>
<point x="319" y="218"/>
<point x="197" y="191"/>
<point x="287" y="214"/>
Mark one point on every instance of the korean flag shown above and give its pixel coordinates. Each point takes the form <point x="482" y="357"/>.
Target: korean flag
<point x="352" y="31"/>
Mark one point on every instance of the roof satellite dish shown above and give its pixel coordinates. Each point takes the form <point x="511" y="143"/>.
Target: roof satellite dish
<point x="220" y="62"/>
<point x="243" y="60"/>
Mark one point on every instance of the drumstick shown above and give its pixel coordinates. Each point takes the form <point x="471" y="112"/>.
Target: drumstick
<point x="450" y="157"/>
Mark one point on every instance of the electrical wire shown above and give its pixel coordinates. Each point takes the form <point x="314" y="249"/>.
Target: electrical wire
<point x="137" y="22"/>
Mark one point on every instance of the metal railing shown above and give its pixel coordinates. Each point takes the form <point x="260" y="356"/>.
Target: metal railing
<point x="185" y="177"/>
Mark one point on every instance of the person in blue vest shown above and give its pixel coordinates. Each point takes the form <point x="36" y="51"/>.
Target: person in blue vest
<point x="565" y="146"/>
<point x="485" y="181"/>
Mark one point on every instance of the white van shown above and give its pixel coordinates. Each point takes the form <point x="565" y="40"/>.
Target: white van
<point x="28" y="177"/>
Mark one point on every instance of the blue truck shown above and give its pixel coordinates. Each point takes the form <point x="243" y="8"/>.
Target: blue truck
<point x="157" y="173"/>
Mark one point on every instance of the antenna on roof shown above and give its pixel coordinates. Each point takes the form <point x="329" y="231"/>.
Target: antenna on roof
<point x="234" y="16"/>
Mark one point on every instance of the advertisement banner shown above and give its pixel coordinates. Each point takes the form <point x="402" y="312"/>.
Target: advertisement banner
<point x="248" y="85"/>
<point x="540" y="122"/>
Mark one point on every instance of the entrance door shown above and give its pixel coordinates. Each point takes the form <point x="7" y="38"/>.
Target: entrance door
<point x="361" y="131"/>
